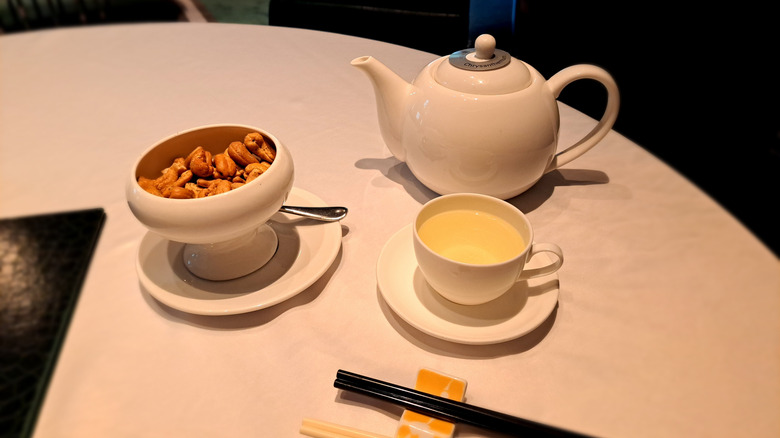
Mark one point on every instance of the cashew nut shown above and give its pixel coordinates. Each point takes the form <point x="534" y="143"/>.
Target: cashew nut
<point x="225" y="165"/>
<point x="200" y="163"/>
<point x="253" y="141"/>
<point x="180" y="193"/>
<point x="239" y="153"/>
<point x="255" y="170"/>
<point x="222" y="186"/>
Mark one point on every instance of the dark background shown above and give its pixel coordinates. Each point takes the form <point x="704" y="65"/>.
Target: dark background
<point x="698" y="89"/>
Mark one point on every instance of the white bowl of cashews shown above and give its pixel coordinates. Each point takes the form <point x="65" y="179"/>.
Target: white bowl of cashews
<point x="214" y="188"/>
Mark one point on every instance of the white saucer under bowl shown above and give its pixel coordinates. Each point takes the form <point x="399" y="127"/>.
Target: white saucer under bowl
<point x="306" y="250"/>
<point x="516" y="313"/>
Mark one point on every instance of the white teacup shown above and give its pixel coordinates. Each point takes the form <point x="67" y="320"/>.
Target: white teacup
<point x="472" y="248"/>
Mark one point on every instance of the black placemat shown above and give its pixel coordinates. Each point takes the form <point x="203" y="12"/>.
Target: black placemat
<point x="43" y="262"/>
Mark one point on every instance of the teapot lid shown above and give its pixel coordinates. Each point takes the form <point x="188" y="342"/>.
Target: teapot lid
<point x="483" y="70"/>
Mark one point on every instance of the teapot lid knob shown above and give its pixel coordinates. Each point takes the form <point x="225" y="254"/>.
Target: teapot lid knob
<point x="485" y="46"/>
<point x="483" y="57"/>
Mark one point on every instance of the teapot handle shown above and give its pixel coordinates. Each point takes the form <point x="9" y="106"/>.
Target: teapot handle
<point x="585" y="71"/>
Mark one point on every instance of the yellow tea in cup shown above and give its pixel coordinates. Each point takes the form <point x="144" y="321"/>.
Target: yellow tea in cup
<point x="471" y="236"/>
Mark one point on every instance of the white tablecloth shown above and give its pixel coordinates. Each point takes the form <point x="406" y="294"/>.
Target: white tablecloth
<point x="667" y="323"/>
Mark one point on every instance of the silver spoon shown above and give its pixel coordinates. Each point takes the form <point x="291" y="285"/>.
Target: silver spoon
<point x="327" y="214"/>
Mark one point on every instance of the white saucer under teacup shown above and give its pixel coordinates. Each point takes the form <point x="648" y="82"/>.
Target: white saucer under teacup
<point x="508" y="317"/>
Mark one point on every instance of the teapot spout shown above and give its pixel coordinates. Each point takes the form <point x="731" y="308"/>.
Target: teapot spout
<point x="391" y="91"/>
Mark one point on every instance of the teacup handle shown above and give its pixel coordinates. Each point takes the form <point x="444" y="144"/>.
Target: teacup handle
<point x="538" y="248"/>
<point x="585" y="71"/>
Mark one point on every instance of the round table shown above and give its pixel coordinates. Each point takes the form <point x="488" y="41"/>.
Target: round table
<point x="667" y="321"/>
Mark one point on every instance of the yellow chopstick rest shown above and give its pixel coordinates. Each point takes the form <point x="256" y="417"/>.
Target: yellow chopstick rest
<point x="415" y="425"/>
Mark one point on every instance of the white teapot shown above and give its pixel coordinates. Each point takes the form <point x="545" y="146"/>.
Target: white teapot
<point x="479" y="120"/>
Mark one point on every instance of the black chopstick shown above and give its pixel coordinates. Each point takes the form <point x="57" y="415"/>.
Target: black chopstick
<point x="443" y="408"/>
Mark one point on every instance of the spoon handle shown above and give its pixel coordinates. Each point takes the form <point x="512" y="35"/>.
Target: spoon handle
<point x="327" y="214"/>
